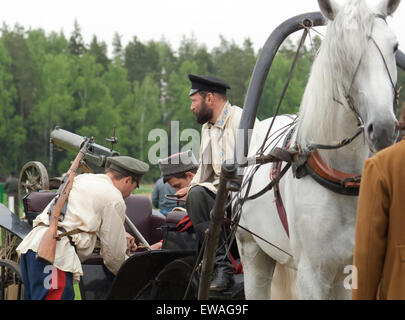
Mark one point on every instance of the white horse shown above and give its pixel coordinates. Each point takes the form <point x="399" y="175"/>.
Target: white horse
<point x="356" y="59"/>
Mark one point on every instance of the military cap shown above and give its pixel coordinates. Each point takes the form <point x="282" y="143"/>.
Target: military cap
<point x="127" y="166"/>
<point x="207" y="83"/>
<point x="178" y="163"/>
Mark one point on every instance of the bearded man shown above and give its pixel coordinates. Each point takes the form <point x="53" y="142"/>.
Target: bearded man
<point x="220" y="121"/>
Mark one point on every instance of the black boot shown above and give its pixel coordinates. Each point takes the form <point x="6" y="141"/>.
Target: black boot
<point x="223" y="272"/>
<point x="223" y="279"/>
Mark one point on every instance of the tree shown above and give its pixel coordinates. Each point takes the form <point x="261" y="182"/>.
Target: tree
<point x="116" y="79"/>
<point x="12" y="132"/>
<point x="235" y="65"/>
<point x="178" y="89"/>
<point x="22" y="68"/>
<point x="141" y="60"/>
<point x="140" y="116"/>
<point x="117" y="48"/>
<point x="277" y="79"/>
<point x="76" y="43"/>
<point x="55" y="103"/>
<point x="99" y="51"/>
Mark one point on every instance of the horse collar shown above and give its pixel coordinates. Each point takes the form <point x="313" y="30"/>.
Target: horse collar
<point x="334" y="180"/>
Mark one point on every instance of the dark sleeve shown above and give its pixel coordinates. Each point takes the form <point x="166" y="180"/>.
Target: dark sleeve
<point x="155" y="196"/>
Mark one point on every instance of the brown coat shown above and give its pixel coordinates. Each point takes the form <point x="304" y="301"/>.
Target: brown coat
<point x="379" y="251"/>
<point x="402" y="123"/>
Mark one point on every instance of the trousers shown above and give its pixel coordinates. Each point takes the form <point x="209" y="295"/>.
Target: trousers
<point x="44" y="282"/>
<point x="199" y="204"/>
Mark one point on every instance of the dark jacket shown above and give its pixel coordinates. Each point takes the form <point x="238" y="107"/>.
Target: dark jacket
<point x="11" y="185"/>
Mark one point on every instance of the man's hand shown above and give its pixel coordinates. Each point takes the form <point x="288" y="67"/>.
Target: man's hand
<point x="182" y="193"/>
<point x="131" y="245"/>
<point x="156" y="246"/>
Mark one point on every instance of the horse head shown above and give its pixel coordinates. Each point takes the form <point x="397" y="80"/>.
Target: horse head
<point x="362" y="49"/>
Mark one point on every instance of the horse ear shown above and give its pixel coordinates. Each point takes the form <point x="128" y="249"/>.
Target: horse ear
<point x="329" y="8"/>
<point x="388" y="7"/>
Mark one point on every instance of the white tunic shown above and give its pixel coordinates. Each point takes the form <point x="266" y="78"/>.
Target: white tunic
<point x="96" y="207"/>
<point x="217" y="146"/>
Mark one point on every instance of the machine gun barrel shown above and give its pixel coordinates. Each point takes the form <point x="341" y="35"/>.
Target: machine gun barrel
<point x="95" y="157"/>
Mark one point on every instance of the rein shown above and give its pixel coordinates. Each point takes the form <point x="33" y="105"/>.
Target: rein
<point x="308" y="161"/>
<point x="396" y="90"/>
<point x="296" y="156"/>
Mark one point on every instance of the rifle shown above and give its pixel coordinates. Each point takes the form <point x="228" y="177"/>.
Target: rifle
<point x="47" y="246"/>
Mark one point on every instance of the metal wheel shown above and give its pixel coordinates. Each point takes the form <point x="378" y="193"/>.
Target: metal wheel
<point x="33" y="177"/>
<point x="11" y="285"/>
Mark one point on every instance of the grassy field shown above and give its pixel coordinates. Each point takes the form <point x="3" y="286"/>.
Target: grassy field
<point x="145" y="189"/>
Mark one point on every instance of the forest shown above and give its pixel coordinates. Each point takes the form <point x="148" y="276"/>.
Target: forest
<point x="50" y="79"/>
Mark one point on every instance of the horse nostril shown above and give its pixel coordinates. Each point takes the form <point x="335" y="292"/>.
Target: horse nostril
<point x="370" y="131"/>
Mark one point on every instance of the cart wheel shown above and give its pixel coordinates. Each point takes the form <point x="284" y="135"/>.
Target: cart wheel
<point x="11" y="285"/>
<point x="33" y="177"/>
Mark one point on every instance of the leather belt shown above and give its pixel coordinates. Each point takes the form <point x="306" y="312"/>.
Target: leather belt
<point x="63" y="233"/>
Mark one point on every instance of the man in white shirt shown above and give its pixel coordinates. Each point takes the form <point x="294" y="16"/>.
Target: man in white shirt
<point x="220" y="120"/>
<point x="96" y="209"/>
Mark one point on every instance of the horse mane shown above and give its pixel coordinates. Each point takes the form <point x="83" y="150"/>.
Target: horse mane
<point x="332" y="74"/>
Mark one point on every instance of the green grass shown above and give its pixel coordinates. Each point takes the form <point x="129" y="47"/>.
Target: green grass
<point x="144" y="189"/>
<point x="77" y="292"/>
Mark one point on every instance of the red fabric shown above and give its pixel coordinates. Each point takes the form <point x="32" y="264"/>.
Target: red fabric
<point x="57" y="285"/>
<point x="237" y="266"/>
<point x="184" y="224"/>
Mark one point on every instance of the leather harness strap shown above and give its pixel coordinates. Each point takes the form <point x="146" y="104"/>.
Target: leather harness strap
<point x="334" y="180"/>
<point x="275" y="170"/>
<point x="318" y="165"/>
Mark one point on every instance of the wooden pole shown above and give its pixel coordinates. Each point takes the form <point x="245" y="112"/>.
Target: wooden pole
<point x="217" y="217"/>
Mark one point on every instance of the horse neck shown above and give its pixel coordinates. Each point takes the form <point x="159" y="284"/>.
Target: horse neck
<point x="323" y="120"/>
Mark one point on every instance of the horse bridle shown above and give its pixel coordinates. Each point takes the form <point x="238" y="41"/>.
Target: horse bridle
<point x="300" y="157"/>
<point x="350" y="100"/>
<point x="303" y="155"/>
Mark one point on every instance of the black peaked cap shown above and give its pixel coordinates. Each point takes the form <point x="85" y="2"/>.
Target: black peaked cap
<point x="207" y="83"/>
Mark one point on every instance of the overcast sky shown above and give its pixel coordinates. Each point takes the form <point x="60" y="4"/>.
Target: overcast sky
<point x="153" y="19"/>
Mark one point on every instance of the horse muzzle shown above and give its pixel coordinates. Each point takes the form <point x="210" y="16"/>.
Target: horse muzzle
<point x="381" y="134"/>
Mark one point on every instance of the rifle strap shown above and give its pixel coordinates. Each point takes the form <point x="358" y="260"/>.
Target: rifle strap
<point x="63" y="210"/>
<point x="64" y="233"/>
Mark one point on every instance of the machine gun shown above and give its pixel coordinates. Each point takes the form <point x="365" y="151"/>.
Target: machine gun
<point x="96" y="155"/>
<point x="34" y="176"/>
